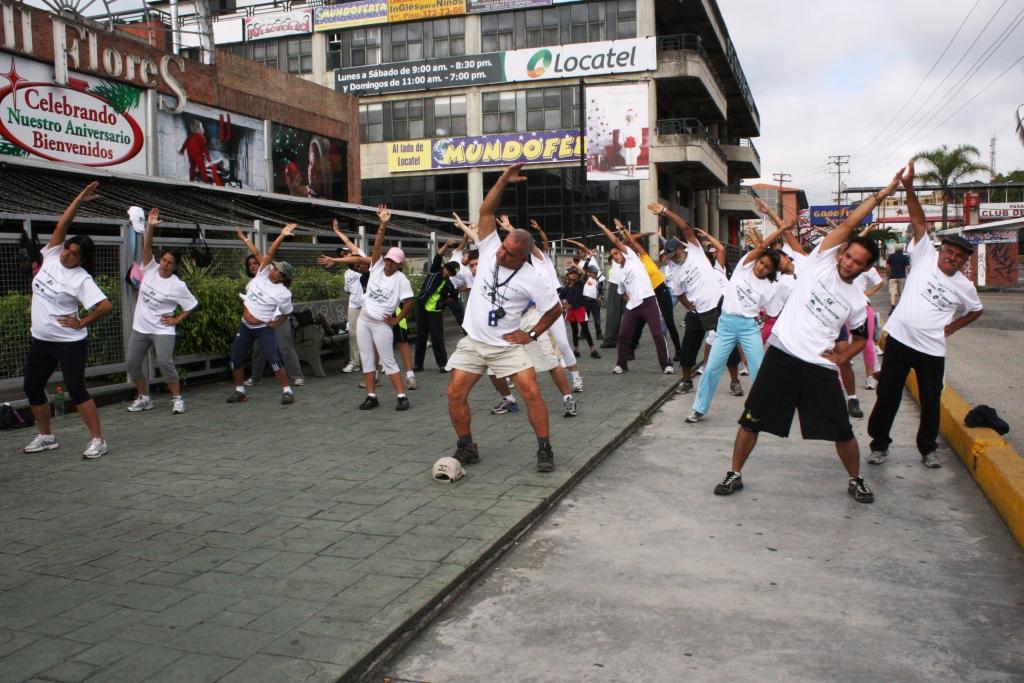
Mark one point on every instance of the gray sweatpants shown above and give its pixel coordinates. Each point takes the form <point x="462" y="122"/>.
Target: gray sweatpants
<point x="138" y="346"/>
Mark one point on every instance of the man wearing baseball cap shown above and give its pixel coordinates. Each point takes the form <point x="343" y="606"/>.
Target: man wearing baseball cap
<point x="935" y="292"/>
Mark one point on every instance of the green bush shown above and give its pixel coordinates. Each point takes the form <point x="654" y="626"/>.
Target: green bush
<point x="316" y="284"/>
<point x="212" y="326"/>
<point x="14" y="325"/>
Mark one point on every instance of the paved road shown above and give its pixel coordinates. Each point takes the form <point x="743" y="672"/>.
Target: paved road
<point x="642" y="574"/>
<point x="261" y="542"/>
<point x="984" y="361"/>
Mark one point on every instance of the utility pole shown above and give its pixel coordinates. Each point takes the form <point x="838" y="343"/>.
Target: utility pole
<point x="781" y="178"/>
<point x="838" y="161"/>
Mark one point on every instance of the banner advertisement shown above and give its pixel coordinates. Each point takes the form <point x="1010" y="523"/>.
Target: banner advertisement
<point x="89" y="121"/>
<point x="560" y="61"/>
<point x="211" y="146"/>
<point x="551" y="146"/>
<point x="480" y="6"/>
<point x="991" y="236"/>
<point x="997" y="212"/>
<point x="412" y="10"/>
<point x="350" y="15"/>
<point x="308" y="165"/>
<point x="279" y="24"/>
<point x="423" y="74"/>
<point x="618" y="144"/>
<point x="837" y="214"/>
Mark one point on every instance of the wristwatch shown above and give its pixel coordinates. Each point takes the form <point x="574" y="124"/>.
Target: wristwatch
<point x="533" y="334"/>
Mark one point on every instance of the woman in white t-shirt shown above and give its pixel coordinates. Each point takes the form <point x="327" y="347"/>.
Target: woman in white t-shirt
<point x="354" y="288"/>
<point x="59" y="337"/>
<point x="161" y="294"/>
<point x="749" y="288"/>
<point x="267" y="304"/>
<point x="869" y="282"/>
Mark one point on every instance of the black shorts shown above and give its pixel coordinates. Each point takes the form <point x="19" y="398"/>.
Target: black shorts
<point x="401" y="334"/>
<point x="844" y="334"/>
<point x="785" y="385"/>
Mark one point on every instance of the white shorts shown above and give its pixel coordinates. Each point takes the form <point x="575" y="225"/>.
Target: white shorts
<point x="477" y="358"/>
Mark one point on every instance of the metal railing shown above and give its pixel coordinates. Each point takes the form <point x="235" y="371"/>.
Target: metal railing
<point x="741" y="78"/>
<point x="694" y="43"/>
<point x="689" y="126"/>
<point x="744" y="142"/>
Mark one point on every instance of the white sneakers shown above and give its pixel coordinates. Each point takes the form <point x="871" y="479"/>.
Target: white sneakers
<point x="743" y="369"/>
<point x="411" y="383"/>
<point x="577" y="385"/>
<point x="141" y="403"/>
<point x="177" y="405"/>
<point x="869" y="383"/>
<point x="41" y="442"/>
<point x="669" y="370"/>
<point x="351" y="367"/>
<point x="299" y="381"/>
<point x="96" y="448"/>
<point x="47" y="442"/>
<point x="249" y="382"/>
<point x="617" y="370"/>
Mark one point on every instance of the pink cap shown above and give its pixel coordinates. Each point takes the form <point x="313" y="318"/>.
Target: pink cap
<point x="396" y="255"/>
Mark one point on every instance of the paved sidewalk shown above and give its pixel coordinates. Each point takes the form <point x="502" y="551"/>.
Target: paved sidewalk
<point x="642" y="574"/>
<point x="262" y="542"/>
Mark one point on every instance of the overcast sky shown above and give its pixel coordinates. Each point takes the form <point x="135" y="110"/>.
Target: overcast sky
<point x="828" y="77"/>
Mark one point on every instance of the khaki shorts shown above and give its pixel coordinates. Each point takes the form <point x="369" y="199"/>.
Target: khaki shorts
<point x="543" y="353"/>
<point x="477" y="357"/>
<point x="896" y="285"/>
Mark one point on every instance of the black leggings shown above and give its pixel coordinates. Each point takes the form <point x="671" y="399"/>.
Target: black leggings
<point x="42" y="360"/>
<point x="576" y="334"/>
<point x="665" y="304"/>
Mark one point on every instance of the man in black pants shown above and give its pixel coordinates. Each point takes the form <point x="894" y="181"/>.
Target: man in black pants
<point x="436" y="292"/>
<point x="935" y="290"/>
<point x="799" y="369"/>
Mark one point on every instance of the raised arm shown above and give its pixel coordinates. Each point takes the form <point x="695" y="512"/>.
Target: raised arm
<point x="867" y="230"/>
<point x="917" y="218"/>
<point x="545" y="245"/>
<point x="272" y="249"/>
<point x="384" y="215"/>
<point x="504" y="224"/>
<point x="489" y="207"/>
<point x="328" y="261"/>
<point x="579" y="245"/>
<point x="248" y="244"/>
<point x="862" y="211"/>
<point x="790" y="237"/>
<point x="147" y="240"/>
<point x="756" y="252"/>
<point x="60" y="232"/>
<point x="768" y="211"/>
<point x="467" y="230"/>
<point x="662" y="210"/>
<point x="616" y="242"/>
<point x="343" y="237"/>
<point x="719" y="247"/>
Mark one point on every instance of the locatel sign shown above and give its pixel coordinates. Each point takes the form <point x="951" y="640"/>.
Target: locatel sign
<point x="87" y="122"/>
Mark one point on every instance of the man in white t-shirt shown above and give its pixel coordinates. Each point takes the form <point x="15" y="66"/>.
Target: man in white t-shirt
<point x="934" y="295"/>
<point x="505" y="283"/>
<point x="798" y="373"/>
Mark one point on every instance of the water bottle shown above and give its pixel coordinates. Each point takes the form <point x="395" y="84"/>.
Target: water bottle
<point x="58" y="401"/>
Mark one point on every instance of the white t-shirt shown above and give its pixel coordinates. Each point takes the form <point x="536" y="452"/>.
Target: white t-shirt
<point x="590" y="288"/>
<point x="820" y="304"/>
<point x="354" y="287"/>
<point x="634" y="281"/>
<point x="929" y="302"/>
<point x="784" y="284"/>
<point x="384" y="294"/>
<point x="511" y="292"/>
<point x="159" y="296"/>
<point x="614" y="274"/>
<point x="868" y="279"/>
<point x="266" y="299"/>
<point x="57" y="291"/>
<point x="695" y="277"/>
<point x="745" y="294"/>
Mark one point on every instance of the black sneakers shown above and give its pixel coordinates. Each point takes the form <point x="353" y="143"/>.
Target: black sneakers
<point x="237" y="397"/>
<point x="403" y="403"/>
<point x="860" y="491"/>
<point x="369" y="403"/>
<point x="467" y="455"/>
<point x="685" y="387"/>
<point x="732" y="483"/>
<point x="287" y="398"/>
<point x="853" y="407"/>
<point x="545" y="460"/>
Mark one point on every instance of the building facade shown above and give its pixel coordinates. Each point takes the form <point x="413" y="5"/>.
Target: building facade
<point x="613" y="103"/>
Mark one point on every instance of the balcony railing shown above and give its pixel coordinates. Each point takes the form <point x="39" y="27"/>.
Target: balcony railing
<point x="741" y="78"/>
<point x="745" y="142"/>
<point x="689" y="126"/>
<point x="690" y="41"/>
<point x="740" y="189"/>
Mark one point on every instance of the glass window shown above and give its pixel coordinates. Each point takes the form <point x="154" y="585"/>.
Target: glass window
<point x="450" y="116"/>
<point x="449" y="37"/>
<point x="299" y="53"/>
<point x="625" y="19"/>
<point x="499" y="112"/>
<point x="544" y="109"/>
<point x="406" y="42"/>
<point x="356" y="47"/>
<point x="497" y="32"/>
<point x="406" y="119"/>
<point x="587" y="23"/>
<point x="371" y="122"/>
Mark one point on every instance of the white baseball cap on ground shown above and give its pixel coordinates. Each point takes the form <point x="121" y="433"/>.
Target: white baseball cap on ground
<point x="448" y="469"/>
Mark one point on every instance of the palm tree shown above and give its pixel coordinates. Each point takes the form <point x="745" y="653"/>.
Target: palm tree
<point x="947" y="167"/>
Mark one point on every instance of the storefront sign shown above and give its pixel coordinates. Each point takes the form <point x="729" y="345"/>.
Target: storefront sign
<point x="413" y="10"/>
<point x="537" y="147"/>
<point x="995" y="212"/>
<point x="836" y="214"/>
<point x="991" y="236"/>
<point x="480" y="6"/>
<point x="90" y="121"/>
<point x="560" y="61"/>
<point x="349" y="15"/>
<point x="618" y="132"/>
<point x="279" y="24"/>
<point x="424" y="74"/>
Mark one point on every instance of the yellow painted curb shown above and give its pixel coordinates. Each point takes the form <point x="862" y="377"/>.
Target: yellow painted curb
<point x="994" y="464"/>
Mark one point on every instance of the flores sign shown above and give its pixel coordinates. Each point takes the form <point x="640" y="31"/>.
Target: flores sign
<point x="89" y="121"/>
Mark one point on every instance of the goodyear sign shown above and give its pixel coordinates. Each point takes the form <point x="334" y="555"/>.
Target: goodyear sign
<point x="538" y="147"/>
<point x="836" y="214"/>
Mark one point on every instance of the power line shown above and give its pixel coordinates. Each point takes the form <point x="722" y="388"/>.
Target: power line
<point x="781" y="178"/>
<point x="839" y="161"/>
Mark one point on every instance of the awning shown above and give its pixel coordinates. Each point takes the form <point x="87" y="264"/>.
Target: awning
<point x="33" y="188"/>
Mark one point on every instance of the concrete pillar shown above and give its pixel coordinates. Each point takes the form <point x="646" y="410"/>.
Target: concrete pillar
<point x="645" y="19"/>
<point x="320" y="73"/>
<point x="474" y="112"/>
<point x="473" y="40"/>
<point x="475" y="190"/>
<point x="713" y="216"/>
<point x="649" y="195"/>
<point x="700" y="209"/>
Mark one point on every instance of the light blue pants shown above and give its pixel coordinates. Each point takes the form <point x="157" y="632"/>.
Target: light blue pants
<point x="732" y="330"/>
